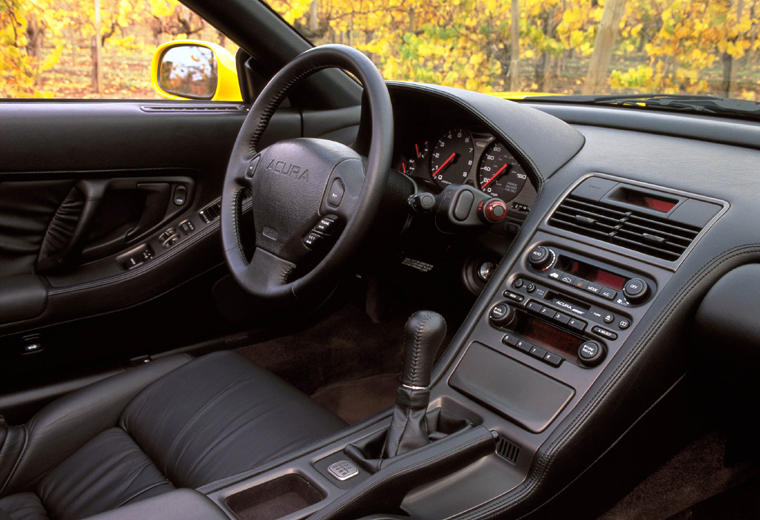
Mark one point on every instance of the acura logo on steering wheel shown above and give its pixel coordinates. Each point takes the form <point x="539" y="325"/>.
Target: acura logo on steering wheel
<point x="291" y="170"/>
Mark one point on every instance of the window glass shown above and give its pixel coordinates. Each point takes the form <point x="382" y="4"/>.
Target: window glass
<point x="559" y="47"/>
<point x="48" y="47"/>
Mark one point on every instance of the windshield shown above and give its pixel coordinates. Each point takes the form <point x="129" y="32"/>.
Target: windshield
<point x="562" y="46"/>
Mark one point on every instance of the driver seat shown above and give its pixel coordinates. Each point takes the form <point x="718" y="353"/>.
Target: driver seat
<point x="176" y="422"/>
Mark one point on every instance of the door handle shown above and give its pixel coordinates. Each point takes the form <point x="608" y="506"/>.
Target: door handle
<point x="156" y="203"/>
<point x="93" y="192"/>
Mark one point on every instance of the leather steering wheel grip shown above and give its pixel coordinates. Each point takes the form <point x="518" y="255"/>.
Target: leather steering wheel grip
<point x="271" y="284"/>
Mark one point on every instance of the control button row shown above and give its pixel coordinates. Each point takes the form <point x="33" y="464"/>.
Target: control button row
<point x="532" y="350"/>
<point x="324" y="228"/>
<point x="559" y="317"/>
<point x="584" y="285"/>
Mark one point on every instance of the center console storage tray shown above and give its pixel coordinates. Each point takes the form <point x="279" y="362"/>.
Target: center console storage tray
<point x="516" y="391"/>
<point x="274" y="499"/>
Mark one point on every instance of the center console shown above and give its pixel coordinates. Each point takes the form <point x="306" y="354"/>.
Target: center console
<point x="565" y="306"/>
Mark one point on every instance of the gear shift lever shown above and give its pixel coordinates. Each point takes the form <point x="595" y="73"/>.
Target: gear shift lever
<point x="424" y="334"/>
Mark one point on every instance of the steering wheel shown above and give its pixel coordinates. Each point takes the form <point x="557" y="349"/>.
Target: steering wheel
<point x="304" y="190"/>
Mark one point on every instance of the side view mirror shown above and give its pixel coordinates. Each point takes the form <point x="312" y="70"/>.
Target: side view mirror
<point x="191" y="69"/>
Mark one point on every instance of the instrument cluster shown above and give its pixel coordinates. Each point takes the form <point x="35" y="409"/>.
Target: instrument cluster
<point x="462" y="155"/>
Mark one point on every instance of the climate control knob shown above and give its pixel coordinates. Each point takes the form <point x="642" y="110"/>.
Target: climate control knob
<point x="501" y="315"/>
<point x="636" y="290"/>
<point x="541" y="257"/>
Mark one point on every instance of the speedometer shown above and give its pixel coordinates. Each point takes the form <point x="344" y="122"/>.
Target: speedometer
<point x="451" y="160"/>
<point x="500" y="174"/>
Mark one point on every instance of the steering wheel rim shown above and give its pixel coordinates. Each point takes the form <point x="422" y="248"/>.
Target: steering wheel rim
<point x="267" y="274"/>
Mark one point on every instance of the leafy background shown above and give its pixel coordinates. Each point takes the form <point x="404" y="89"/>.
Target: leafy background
<point x="561" y="46"/>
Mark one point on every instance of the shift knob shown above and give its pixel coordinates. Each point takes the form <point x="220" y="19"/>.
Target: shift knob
<point x="423" y="336"/>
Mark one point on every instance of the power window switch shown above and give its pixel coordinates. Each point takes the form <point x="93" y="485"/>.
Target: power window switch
<point x="187" y="227"/>
<point x="132" y="262"/>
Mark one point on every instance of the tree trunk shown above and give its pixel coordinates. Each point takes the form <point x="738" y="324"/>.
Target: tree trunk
<point x="730" y="65"/>
<point x="514" y="63"/>
<point x="596" y="79"/>
<point x="34" y="34"/>
<point x="313" y="17"/>
<point x="97" y="59"/>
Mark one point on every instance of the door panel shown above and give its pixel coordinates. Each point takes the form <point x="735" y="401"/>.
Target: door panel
<point x="101" y="258"/>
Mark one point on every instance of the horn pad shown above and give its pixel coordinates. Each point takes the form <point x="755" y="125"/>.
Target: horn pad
<point x="288" y="186"/>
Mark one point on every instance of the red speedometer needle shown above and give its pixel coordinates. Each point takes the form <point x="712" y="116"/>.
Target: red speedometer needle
<point x="494" y="176"/>
<point x="446" y="162"/>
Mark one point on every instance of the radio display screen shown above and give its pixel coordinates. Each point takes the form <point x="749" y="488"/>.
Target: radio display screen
<point x="593" y="274"/>
<point x="549" y="337"/>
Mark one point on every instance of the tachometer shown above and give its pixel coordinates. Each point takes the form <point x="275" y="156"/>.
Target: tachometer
<point x="452" y="157"/>
<point x="500" y="174"/>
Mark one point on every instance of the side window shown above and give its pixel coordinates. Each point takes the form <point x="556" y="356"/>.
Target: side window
<point x="104" y="49"/>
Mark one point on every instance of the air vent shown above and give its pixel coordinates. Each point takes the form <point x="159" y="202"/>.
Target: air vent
<point x="211" y="212"/>
<point x="507" y="449"/>
<point x="630" y="229"/>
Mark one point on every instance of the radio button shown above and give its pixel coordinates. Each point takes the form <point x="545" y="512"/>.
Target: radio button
<point x="576" y="324"/>
<point x="607" y="293"/>
<point x="624" y="324"/>
<point x="546" y="311"/>
<point x="553" y="359"/>
<point x="535" y="307"/>
<point x="510" y="339"/>
<point x="562" y="318"/>
<point x="524" y="346"/>
<point x="514" y="296"/>
<point x="566" y="278"/>
<point x="537" y="352"/>
<point x="517" y="283"/>
<point x="604" y="332"/>
<point x="593" y="288"/>
<point x="609" y="318"/>
<point x="530" y="287"/>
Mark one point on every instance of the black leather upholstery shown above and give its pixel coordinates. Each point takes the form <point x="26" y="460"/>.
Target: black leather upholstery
<point x="171" y="423"/>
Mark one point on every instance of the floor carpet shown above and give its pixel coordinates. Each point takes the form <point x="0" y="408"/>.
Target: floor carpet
<point x="354" y="401"/>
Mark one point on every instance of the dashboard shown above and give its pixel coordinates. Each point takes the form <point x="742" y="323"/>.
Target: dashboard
<point x="584" y="324"/>
<point x="438" y="147"/>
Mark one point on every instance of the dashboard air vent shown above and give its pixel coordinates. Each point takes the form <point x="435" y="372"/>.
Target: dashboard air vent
<point x="640" y="232"/>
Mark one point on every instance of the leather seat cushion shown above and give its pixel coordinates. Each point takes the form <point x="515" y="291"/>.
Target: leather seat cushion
<point x="221" y="415"/>
<point x="211" y="418"/>
<point x="108" y="472"/>
<point x="22" y="506"/>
